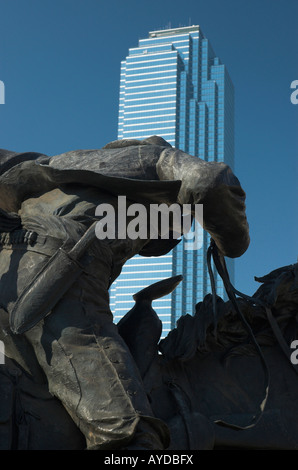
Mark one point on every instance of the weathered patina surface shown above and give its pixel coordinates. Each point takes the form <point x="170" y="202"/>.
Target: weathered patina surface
<point x="73" y="347"/>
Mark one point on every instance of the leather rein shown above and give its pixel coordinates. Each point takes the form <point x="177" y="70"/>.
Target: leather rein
<point x="219" y="263"/>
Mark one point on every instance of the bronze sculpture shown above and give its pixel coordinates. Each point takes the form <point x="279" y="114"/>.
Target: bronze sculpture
<point x="193" y="379"/>
<point x="48" y="203"/>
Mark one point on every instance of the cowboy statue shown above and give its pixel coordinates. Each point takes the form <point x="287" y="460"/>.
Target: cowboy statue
<point x="55" y="274"/>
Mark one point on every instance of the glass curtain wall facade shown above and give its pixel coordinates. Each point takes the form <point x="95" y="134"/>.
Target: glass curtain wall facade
<point x="174" y="86"/>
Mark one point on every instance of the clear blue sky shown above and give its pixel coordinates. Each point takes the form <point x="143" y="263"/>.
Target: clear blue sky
<point x="60" y="62"/>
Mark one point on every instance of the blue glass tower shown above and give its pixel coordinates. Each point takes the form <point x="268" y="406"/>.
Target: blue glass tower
<point x="173" y="85"/>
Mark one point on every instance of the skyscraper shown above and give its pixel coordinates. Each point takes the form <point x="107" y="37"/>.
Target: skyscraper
<point x="174" y="86"/>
